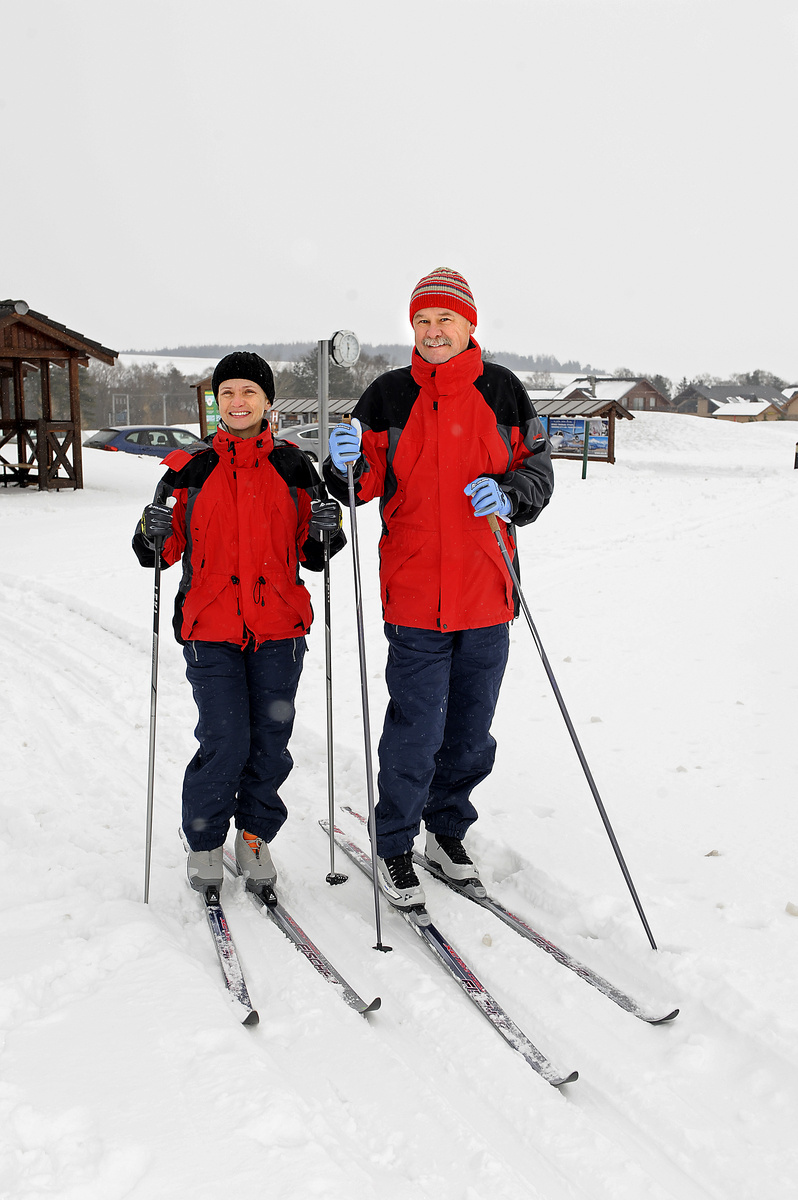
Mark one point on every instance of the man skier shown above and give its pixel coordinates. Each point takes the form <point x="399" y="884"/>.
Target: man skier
<point x="444" y="443"/>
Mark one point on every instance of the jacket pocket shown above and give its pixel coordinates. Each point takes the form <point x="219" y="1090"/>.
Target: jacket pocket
<point x="278" y="602"/>
<point x="201" y="595"/>
<point x="406" y="567"/>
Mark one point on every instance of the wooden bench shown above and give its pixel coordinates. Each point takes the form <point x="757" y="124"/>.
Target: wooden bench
<point x="16" y="473"/>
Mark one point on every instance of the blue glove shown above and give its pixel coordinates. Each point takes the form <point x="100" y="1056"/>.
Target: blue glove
<point x="487" y="497"/>
<point x="345" y="444"/>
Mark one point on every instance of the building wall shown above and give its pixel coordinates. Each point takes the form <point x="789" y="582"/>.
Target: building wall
<point x="644" y="397"/>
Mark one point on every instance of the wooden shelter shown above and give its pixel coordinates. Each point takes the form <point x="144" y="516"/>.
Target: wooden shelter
<point x="575" y="407"/>
<point x="33" y="447"/>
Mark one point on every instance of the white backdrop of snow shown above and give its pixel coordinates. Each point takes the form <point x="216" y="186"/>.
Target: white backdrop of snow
<point x="664" y="591"/>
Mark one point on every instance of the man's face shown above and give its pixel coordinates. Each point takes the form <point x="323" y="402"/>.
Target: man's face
<point x="242" y="405"/>
<point x="441" y="334"/>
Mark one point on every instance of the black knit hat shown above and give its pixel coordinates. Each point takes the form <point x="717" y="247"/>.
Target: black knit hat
<point x="244" y="365"/>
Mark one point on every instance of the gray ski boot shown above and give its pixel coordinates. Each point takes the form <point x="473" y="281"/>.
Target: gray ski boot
<point x="449" y="855"/>
<point x="255" y="862"/>
<point x="205" y="869"/>
<point x="399" y="882"/>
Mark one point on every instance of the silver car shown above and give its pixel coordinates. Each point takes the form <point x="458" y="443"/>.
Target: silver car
<point x="306" y="437"/>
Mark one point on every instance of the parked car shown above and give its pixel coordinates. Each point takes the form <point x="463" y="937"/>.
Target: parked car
<point x="157" y="440"/>
<point x="306" y="437"/>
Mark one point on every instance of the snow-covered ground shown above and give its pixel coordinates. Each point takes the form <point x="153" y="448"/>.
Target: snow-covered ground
<point x="664" y="592"/>
<point x="164" y="362"/>
<point x="187" y="366"/>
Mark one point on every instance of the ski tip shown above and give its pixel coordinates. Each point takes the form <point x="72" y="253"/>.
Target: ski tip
<point x="370" y="1008"/>
<point x="251" y="1018"/>
<point x="568" y="1079"/>
<point x="664" y="1020"/>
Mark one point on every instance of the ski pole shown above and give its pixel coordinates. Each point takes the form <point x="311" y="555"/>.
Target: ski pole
<point x="494" y="524"/>
<point x="334" y="876"/>
<point x="153" y="706"/>
<point x="364" y="695"/>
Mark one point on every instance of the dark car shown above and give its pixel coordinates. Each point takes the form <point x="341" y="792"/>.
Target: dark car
<point x="158" y="440"/>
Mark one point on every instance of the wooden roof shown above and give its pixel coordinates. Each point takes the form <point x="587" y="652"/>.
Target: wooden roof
<point x="29" y="335"/>
<point x="579" y="405"/>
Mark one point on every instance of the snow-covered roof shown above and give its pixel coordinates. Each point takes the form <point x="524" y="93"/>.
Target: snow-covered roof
<point x="742" y="408"/>
<point x="607" y="387"/>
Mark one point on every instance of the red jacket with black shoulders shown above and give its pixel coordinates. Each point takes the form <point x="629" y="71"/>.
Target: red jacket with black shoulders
<point x="240" y="526"/>
<point x="428" y="431"/>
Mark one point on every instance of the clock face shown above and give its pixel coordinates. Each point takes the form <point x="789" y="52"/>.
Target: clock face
<point x="345" y="348"/>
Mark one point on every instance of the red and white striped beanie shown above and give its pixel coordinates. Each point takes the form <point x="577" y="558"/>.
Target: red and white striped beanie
<point x="444" y="288"/>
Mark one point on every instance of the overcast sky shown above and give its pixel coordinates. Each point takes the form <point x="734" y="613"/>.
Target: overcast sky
<point x="617" y="179"/>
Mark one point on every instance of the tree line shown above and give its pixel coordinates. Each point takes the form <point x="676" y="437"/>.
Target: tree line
<point x="142" y="394"/>
<point x="397" y="354"/>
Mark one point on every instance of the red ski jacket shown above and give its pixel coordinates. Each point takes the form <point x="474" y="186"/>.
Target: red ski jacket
<point x="428" y="431"/>
<point x="240" y="525"/>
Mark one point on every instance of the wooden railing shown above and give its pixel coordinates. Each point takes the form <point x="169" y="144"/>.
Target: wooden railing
<point x="43" y="447"/>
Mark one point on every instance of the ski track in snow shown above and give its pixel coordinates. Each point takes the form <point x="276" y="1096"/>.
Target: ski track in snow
<point x="663" y="590"/>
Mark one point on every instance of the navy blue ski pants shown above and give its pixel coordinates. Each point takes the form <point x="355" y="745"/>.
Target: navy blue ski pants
<point x="436" y="744"/>
<point x="246" y="714"/>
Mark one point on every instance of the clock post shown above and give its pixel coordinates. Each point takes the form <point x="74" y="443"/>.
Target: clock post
<point x="323" y="373"/>
<point x="344" y="349"/>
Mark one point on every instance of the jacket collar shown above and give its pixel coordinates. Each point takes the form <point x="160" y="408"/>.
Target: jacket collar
<point x="450" y="376"/>
<point x="243" y="452"/>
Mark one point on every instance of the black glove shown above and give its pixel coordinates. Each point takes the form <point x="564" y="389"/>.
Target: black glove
<point x="156" y="522"/>
<point x="325" y="517"/>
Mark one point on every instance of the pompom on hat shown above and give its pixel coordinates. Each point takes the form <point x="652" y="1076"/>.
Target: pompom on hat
<point x="444" y="288"/>
<point x="242" y="364"/>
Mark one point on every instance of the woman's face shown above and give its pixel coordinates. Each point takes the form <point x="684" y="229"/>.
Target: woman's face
<point x="242" y="405"/>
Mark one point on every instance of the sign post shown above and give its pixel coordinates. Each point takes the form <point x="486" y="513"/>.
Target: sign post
<point x="211" y="413"/>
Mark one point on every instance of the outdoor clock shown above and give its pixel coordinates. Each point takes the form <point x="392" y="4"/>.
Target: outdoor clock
<point x="344" y="348"/>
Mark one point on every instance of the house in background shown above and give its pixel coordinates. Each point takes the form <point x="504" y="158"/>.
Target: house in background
<point x="734" y="402"/>
<point x="635" y="394"/>
<point x="791" y="405"/>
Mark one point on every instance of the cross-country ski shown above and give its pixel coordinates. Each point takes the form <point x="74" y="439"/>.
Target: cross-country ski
<point x="267" y="901"/>
<point x="421" y="923"/>
<point x="479" y="896"/>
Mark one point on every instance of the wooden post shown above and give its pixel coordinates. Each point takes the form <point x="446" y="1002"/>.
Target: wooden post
<point x="5" y="398"/>
<point x="41" y="455"/>
<point x="203" y="424"/>
<point x="19" y="391"/>
<point x="74" y="410"/>
<point x="44" y="379"/>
